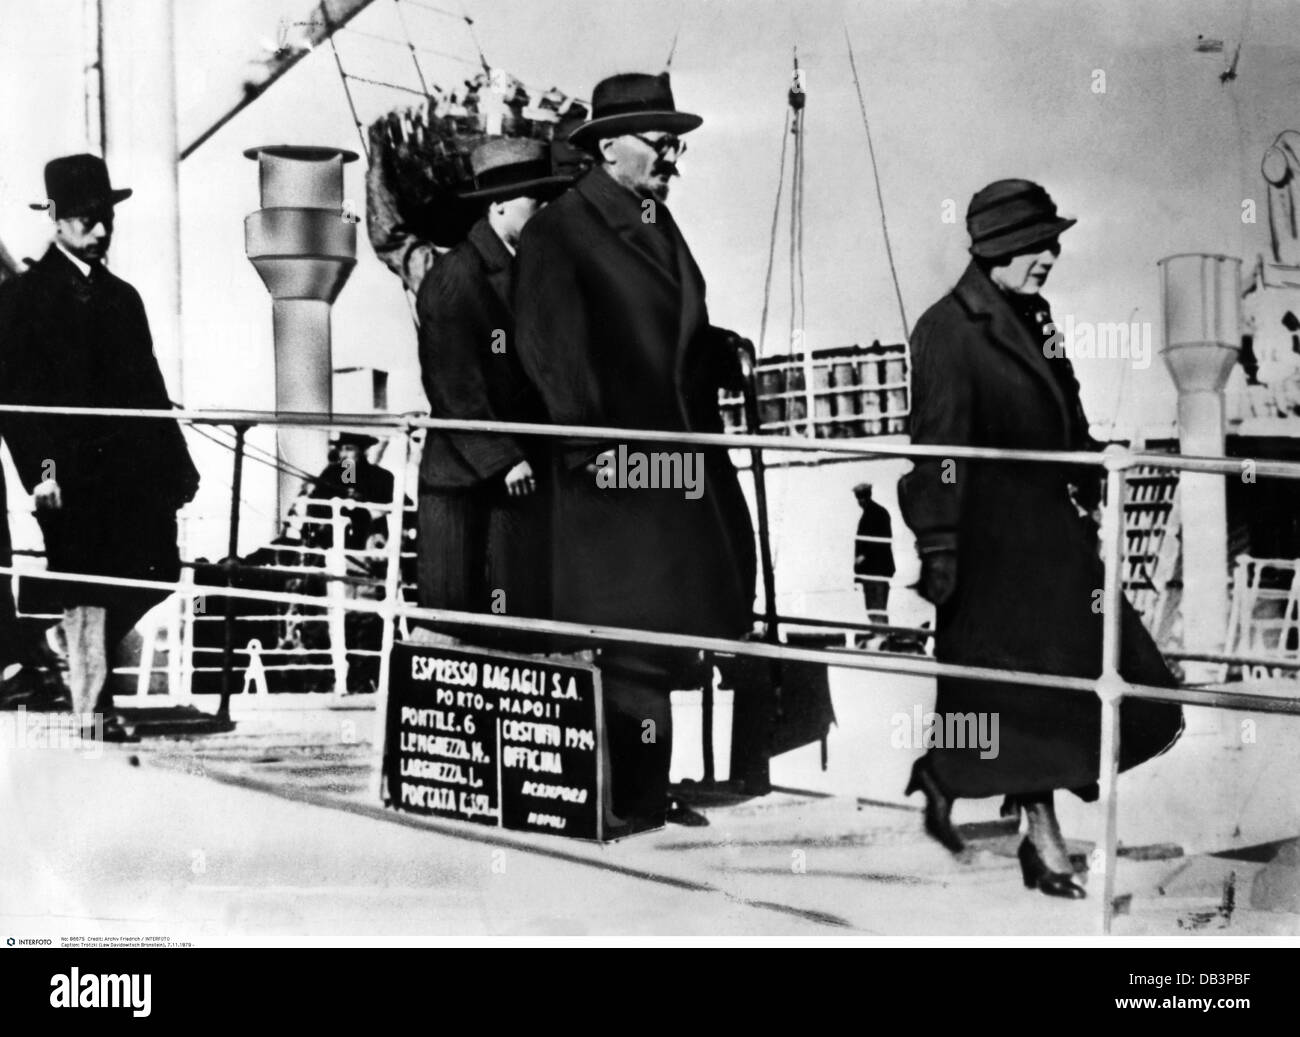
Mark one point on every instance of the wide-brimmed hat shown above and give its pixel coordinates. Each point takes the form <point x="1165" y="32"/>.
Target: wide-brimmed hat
<point x="78" y="184"/>
<point x="1010" y="217"/>
<point x="357" y="439"/>
<point x="508" y="167"/>
<point x="632" y="102"/>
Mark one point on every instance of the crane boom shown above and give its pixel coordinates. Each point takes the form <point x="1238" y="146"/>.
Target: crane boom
<point x="324" y="19"/>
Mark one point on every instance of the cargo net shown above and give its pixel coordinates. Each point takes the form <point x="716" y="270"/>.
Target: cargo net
<point x="1264" y="617"/>
<point x="419" y="161"/>
<point x="842" y="393"/>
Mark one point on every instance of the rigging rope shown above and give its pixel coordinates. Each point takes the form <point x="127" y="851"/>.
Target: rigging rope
<point x="880" y="200"/>
<point x="800" y="153"/>
<point x="415" y="58"/>
<point x="771" y="248"/>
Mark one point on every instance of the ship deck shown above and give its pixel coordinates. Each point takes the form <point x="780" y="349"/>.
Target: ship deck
<point x="272" y="830"/>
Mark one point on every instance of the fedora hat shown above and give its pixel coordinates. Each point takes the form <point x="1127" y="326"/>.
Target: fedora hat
<point x="630" y="103"/>
<point x="1011" y="217"/>
<point x="78" y="184"/>
<point x="507" y="167"/>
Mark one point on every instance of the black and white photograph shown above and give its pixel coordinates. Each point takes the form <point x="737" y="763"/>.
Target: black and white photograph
<point x="650" y="472"/>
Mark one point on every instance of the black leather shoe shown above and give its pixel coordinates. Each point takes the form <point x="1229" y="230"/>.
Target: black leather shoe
<point x="1037" y="876"/>
<point x="680" y="814"/>
<point x="114" y="730"/>
<point x="938" y="806"/>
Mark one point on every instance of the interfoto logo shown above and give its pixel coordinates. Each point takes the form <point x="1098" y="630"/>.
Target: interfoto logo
<point x="1084" y="340"/>
<point x="94" y="990"/>
<point x="658" y="470"/>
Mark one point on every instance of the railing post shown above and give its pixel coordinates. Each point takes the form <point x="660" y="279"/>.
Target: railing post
<point x="178" y="652"/>
<point x="336" y="564"/>
<point x="232" y="558"/>
<point x="1110" y="686"/>
<point x="392" y="605"/>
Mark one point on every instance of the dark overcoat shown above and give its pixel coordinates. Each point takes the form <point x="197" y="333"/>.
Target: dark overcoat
<point x="873" y="549"/>
<point x="470" y="366"/>
<point x="614" y="331"/>
<point x="70" y="341"/>
<point x="363" y="482"/>
<point x="1027" y="563"/>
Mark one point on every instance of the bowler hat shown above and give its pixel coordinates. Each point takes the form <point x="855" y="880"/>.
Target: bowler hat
<point x="76" y="185"/>
<point x="507" y="167"/>
<point x="630" y="103"/>
<point x="1011" y="217"/>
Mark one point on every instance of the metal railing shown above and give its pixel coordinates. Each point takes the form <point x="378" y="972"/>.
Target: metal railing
<point x="1109" y="687"/>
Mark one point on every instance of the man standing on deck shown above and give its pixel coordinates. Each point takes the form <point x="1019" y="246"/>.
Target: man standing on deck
<point x="482" y="503"/>
<point x="614" y="331"/>
<point x="106" y="489"/>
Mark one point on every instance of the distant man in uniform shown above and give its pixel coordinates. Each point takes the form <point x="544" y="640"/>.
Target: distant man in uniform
<point x="482" y="511"/>
<point x="106" y="489"/>
<point x="614" y="331"/>
<point x="873" y="554"/>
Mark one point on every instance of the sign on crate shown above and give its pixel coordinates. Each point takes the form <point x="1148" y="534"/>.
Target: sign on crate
<point x="496" y="738"/>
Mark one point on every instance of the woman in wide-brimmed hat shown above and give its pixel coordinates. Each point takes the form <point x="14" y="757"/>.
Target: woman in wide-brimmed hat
<point x="1007" y="556"/>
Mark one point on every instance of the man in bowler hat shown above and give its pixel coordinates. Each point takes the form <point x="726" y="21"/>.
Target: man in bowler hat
<point x="106" y="489"/>
<point x="614" y="331"/>
<point x="481" y="508"/>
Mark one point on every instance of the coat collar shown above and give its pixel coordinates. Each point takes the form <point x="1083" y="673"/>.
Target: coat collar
<point x="497" y="261"/>
<point x="619" y="208"/>
<point x="984" y="300"/>
<point x="56" y="261"/>
<point x="59" y="270"/>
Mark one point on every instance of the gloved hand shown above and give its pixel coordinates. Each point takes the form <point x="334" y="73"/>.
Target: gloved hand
<point x="938" y="580"/>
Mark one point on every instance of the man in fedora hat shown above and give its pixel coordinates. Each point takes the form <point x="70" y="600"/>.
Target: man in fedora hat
<point x="481" y="510"/>
<point x="614" y="331"/>
<point x="106" y="489"/>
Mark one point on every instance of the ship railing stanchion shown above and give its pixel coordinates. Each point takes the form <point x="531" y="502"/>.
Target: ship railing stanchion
<point x="178" y="639"/>
<point x="336" y="565"/>
<point x="1110" y="685"/>
<point x="229" y="563"/>
<point x="392" y="606"/>
<point x="748" y="359"/>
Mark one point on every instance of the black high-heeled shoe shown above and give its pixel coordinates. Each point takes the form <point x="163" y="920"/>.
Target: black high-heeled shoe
<point x="938" y="806"/>
<point x="1037" y="876"/>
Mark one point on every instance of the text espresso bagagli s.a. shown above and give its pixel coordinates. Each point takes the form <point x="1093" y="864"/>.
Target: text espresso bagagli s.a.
<point x="496" y="731"/>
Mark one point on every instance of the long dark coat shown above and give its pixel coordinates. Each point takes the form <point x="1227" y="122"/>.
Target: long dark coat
<point x="614" y="331"/>
<point x="1028" y="566"/>
<point x="475" y="539"/>
<point x="72" y="342"/>
<point x="874" y="557"/>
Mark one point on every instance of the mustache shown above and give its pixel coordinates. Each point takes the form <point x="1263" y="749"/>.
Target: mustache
<point x="666" y="168"/>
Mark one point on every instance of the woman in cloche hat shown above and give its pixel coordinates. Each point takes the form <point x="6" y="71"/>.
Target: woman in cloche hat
<point x="1007" y="557"/>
